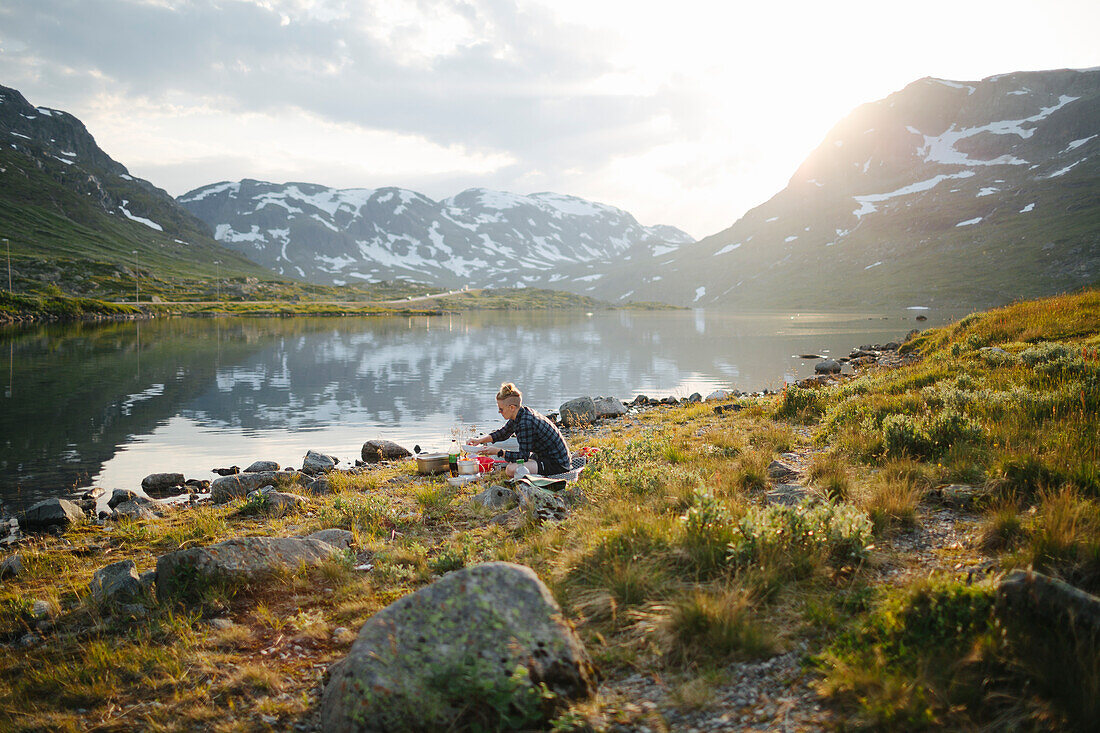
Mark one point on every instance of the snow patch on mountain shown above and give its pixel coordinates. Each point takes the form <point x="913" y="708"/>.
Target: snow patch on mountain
<point x="139" y="219"/>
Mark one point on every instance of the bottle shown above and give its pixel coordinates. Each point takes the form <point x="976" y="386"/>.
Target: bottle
<point x="452" y="458"/>
<point x="521" y="469"/>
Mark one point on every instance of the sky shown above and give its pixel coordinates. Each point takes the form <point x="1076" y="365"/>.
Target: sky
<point x="685" y="112"/>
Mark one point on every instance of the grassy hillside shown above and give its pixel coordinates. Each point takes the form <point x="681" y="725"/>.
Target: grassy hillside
<point x="871" y="603"/>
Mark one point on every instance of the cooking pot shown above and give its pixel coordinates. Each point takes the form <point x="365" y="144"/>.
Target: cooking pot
<point x="467" y="467"/>
<point x="427" y="463"/>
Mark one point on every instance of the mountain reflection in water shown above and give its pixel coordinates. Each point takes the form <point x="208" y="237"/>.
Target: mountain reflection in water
<point x="107" y="404"/>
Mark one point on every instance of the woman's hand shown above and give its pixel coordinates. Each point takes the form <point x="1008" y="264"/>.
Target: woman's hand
<point x="481" y="441"/>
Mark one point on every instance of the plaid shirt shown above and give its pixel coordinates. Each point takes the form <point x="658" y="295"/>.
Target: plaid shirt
<point x="538" y="438"/>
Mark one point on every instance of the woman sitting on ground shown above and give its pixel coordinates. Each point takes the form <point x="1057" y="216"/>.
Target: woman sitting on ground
<point x="539" y="439"/>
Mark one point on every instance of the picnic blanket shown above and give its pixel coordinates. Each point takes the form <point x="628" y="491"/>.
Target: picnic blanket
<point x="575" y="467"/>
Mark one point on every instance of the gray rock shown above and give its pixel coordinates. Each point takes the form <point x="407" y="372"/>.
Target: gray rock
<point x="318" y="487"/>
<point x="781" y="471"/>
<point x="278" y="503"/>
<point x="51" y="512"/>
<point x="383" y="450"/>
<point x="495" y="497"/>
<point x="341" y="539"/>
<point x="121" y="496"/>
<point x="789" y="494"/>
<point x="131" y="610"/>
<point x="573" y="496"/>
<point x="148" y="580"/>
<point x="415" y="662"/>
<point x="608" y="407"/>
<point x="1055" y="627"/>
<point x="316" y="462"/>
<point x="578" y="412"/>
<point x="239" y="485"/>
<point x="511" y="518"/>
<point x="544" y="504"/>
<point x="695" y="397"/>
<point x="134" y="510"/>
<point x="116" y="583"/>
<point x="240" y="561"/>
<point x="41" y="610"/>
<point x="718" y="394"/>
<point x="640" y="400"/>
<point x="260" y="466"/>
<point x="162" y="482"/>
<point x="828" y="366"/>
<point x="12" y="567"/>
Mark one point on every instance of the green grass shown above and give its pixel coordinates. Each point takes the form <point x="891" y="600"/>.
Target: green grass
<point x="675" y="566"/>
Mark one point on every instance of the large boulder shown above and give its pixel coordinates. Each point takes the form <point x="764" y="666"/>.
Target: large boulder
<point x="457" y="654"/>
<point x="261" y="466"/>
<point x="578" y="412"/>
<point x="316" y="462"/>
<point x="1055" y="628"/>
<point x="51" y="512"/>
<point x="608" y="407"/>
<point x="240" y="561"/>
<point x="239" y="485"/>
<point x="829" y="366"/>
<point x="383" y="450"/>
<point x="162" y="482"/>
<point x="116" y="583"/>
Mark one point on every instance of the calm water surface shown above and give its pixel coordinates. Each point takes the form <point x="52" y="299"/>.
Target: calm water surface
<point x="107" y="404"/>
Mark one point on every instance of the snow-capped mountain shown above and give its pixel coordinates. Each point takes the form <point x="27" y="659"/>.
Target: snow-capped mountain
<point x="478" y="237"/>
<point x="954" y="193"/>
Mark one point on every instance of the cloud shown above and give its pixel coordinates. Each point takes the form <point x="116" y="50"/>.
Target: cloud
<point x="486" y="74"/>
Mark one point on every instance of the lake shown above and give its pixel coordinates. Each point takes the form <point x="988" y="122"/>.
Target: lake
<point x="107" y="404"/>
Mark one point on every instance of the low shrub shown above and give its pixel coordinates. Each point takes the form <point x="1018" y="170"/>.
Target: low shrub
<point x="902" y="435"/>
<point x="801" y="537"/>
<point x="798" y="402"/>
<point x="708" y="529"/>
<point x="710" y="629"/>
<point x="371" y="515"/>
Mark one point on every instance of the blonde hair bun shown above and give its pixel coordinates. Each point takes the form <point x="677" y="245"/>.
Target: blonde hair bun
<point x="509" y="392"/>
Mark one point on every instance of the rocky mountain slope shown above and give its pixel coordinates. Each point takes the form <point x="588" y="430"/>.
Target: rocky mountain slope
<point x="944" y="193"/>
<point x="75" y="217"/>
<point x="477" y="238"/>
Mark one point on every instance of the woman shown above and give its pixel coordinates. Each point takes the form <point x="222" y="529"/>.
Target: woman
<point x="539" y="439"/>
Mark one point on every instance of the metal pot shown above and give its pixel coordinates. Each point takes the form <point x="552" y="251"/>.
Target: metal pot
<point x="467" y="467"/>
<point x="428" y="463"/>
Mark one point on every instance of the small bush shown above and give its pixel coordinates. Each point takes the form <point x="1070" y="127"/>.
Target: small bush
<point x="798" y="402"/>
<point x="1001" y="529"/>
<point x="713" y="629"/>
<point x="371" y="515"/>
<point x="708" y="530"/>
<point x="948" y="428"/>
<point x="904" y="436"/>
<point x="1065" y="540"/>
<point x="827" y="473"/>
<point x="891" y="501"/>
<point x="802" y="537"/>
